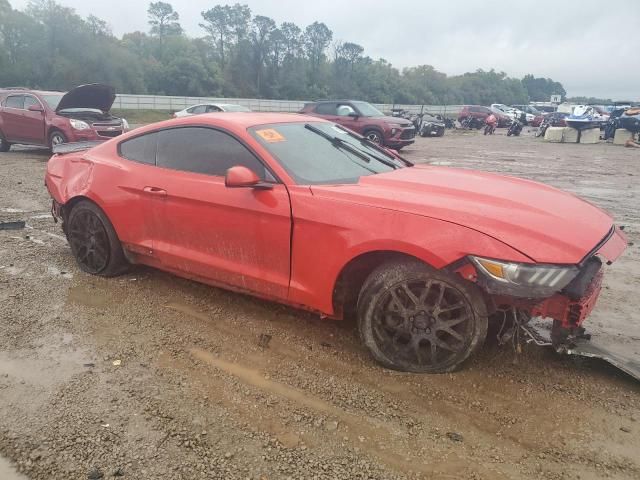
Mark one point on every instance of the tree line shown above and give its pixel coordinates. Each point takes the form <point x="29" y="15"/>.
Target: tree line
<point x="240" y="54"/>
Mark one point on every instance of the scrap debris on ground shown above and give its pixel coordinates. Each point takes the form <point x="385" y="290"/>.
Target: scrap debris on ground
<point x="150" y="376"/>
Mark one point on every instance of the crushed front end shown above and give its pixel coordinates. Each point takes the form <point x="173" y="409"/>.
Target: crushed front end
<point x="565" y="294"/>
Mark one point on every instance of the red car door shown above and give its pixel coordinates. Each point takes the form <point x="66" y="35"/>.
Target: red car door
<point x="346" y="117"/>
<point x="233" y="236"/>
<point x="33" y="121"/>
<point x="12" y="111"/>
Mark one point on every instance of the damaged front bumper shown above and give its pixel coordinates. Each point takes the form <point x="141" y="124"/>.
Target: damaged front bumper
<point x="569" y="307"/>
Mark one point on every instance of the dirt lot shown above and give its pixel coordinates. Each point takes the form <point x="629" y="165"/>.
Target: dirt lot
<point x="148" y="376"/>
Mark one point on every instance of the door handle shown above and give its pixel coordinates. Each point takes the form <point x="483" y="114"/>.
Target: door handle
<point x="155" y="191"/>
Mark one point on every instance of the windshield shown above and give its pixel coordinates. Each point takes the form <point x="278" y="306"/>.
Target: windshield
<point x="53" y="100"/>
<point x="311" y="159"/>
<point x="368" y="110"/>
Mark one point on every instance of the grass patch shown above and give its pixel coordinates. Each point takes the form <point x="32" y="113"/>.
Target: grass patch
<point x="142" y="116"/>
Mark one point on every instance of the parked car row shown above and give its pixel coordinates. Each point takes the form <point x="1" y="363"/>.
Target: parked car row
<point x="480" y="113"/>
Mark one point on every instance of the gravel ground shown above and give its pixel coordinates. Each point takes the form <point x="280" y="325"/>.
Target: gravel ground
<point x="148" y="376"/>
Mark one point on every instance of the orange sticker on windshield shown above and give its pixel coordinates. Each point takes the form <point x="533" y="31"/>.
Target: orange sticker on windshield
<point x="270" y="135"/>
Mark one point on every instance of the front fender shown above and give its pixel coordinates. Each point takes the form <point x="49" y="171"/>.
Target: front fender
<point x="328" y="234"/>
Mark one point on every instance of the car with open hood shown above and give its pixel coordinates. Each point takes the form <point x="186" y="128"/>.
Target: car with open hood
<point x="303" y="211"/>
<point x="44" y="118"/>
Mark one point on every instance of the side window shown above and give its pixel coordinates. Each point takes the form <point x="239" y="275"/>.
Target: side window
<point x="29" y="100"/>
<point x="212" y="108"/>
<point x="190" y="110"/>
<point x="203" y="150"/>
<point x="140" y="149"/>
<point x="326" y="109"/>
<point x="199" y="109"/>
<point x="14" y="101"/>
<point x="345" y="110"/>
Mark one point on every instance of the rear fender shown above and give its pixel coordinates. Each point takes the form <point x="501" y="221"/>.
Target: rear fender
<point x="69" y="176"/>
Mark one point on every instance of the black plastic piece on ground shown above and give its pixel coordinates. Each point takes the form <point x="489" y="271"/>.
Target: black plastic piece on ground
<point x="19" y="225"/>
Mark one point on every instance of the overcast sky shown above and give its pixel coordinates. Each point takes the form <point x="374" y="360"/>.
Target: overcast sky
<point x="581" y="43"/>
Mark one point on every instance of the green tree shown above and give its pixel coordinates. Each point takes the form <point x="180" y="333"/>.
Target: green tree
<point x="541" y="89"/>
<point x="164" y="20"/>
<point x="217" y="24"/>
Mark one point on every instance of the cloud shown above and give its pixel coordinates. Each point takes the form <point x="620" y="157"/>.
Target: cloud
<point x="579" y="43"/>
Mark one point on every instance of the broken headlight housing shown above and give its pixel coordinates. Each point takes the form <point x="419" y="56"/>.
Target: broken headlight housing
<point x="523" y="279"/>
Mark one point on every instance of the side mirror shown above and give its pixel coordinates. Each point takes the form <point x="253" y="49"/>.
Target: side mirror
<point x="35" y="108"/>
<point x="243" y="177"/>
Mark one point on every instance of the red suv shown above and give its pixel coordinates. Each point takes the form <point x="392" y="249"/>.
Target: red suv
<point x="365" y="119"/>
<point x="31" y="117"/>
<point x="481" y="113"/>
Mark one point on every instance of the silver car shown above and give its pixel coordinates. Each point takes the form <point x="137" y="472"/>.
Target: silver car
<point x="210" y="108"/>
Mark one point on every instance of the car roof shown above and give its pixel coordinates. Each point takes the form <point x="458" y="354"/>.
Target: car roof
<point x="215" y="104"/>
<point x="18" y="91"/>
<point x="337" y="100"/>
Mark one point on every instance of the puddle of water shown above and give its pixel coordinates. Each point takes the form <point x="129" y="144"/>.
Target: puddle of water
<point x="7" y="472"/>
<point x="88" y="297"/>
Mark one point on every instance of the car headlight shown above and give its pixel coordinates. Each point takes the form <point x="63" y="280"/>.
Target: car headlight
<point x="79" y="124"/>
<point x="125" y="125"/>
<point x="524" y="280"/>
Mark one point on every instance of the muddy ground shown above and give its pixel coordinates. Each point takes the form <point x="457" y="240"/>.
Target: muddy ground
<point x="148" y="376"/>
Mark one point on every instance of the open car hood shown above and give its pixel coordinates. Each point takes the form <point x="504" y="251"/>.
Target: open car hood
<point x="546" y="224"/>
<point x="95" y="95"/>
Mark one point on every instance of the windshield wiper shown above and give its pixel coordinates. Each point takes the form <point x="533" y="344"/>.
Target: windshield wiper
<point x="370" y="144"/>
<point x="339" y="143"/>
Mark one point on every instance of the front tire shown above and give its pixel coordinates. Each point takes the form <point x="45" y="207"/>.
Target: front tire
<point x="93" y="240"/>
<point x="415" y="318"/>
<point x="374" y="136"/>
<point x="56" y="138"/>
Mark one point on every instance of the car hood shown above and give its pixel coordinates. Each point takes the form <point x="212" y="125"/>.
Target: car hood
<point x="95" y="96"/>
<point x="399" y="120"/>
<point x="542" y="222"/>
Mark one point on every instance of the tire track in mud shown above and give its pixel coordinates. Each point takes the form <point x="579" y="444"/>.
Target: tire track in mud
<point x="357" y="426"/>
<point x="476" y="426"/>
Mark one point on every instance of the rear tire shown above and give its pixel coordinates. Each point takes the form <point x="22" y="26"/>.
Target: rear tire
<point x="93" y="241"/>
<point x="415" y="318"/>
<point x="4" y="145"/>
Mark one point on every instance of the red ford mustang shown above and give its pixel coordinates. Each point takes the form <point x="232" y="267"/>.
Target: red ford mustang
<point x="299" y="210"/>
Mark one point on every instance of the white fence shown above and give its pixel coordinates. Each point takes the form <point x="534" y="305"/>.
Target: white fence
<point x="157" y="102"/>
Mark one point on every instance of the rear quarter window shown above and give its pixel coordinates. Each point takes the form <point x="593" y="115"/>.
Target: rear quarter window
<point x="140" y="149"/>
<point x="14" y="101"/>
<point x="326" y="109"/>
